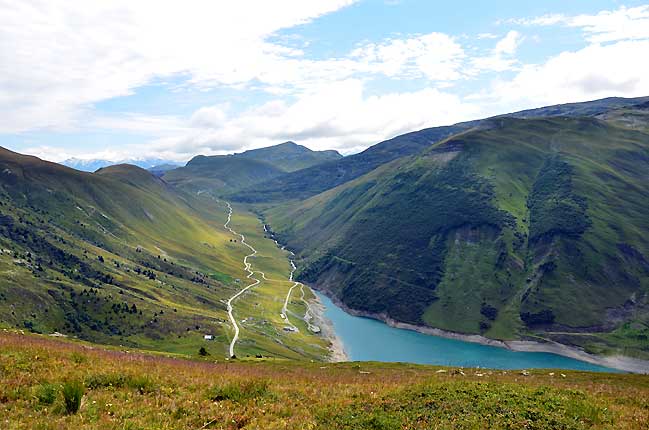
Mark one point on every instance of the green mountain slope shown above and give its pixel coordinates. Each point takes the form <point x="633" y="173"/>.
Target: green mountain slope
<point x="311" y="181"/>
<point x="289" y="156"/>
<point x="222" y="173"/>
<point x="122" y="257"/>
<point x="522" y="227"/>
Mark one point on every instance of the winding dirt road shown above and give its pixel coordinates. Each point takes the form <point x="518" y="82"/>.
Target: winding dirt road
<point x="284" y="313"/>
<point x="250" y="276"/>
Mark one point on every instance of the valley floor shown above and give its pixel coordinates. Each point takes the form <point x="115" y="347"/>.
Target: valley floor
<point x="48" y="383"/>
<point x="257" y="309"/>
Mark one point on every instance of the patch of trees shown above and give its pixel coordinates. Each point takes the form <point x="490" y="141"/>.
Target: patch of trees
<point x="199" y="280"/>
<point x="554" y="207"/>
<point x="124" y="308"/>
<point x="146" y="272"/>
<point x="88" y="311"/>
<point x="489" y="311"/>
<point x="543" y="318"/>
<point x="548" y="267"/>
<point x="52" y="255"/>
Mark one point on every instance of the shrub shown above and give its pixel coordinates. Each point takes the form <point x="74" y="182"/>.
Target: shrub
<point x="72" y="394"/>
<point x="240" y="391"/>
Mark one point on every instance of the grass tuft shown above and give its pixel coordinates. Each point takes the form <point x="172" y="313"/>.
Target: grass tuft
<point x="73" y="392"/>
<point x="240" y="391"/>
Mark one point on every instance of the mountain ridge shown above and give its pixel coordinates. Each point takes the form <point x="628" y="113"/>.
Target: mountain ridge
<point x="311" y="181"/>
<point x="222" y="173"/>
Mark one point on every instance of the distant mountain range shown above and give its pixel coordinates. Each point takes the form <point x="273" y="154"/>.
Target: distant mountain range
<point x="95" y="164"/>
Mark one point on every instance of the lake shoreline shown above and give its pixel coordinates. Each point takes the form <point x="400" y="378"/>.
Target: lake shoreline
<point x="618" y="362"/>
<point x="337" y="351"/>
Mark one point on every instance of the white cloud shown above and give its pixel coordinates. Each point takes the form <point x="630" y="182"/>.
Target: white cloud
<point x="136" y="123"/>
<point x="337" y="115"/>
<point x="209" y="116"/>
<point x="611" y="64"/>
<point x="501" y="58"/>
<point x="609" y="26"/>
<point x="508" y="44"/>
<point x="49" y="153"/>
<point x="549" y="19"/>
<point x="596" y="71"/>
<point x="57" y="58"/>
<point x="436" y="56"/>
<point x="605" y="26"/>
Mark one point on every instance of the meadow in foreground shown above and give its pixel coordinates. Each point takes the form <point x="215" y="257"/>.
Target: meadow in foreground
<point x="58" y="384"/>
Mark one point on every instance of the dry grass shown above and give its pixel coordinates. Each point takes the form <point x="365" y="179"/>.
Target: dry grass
<point x="133" y="390"/>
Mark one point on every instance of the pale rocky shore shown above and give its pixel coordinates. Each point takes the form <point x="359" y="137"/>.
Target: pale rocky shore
<point x="619" y="362"/>
<point x="337" y="349"/>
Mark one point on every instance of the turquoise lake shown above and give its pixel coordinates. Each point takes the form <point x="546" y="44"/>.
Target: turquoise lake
<point x="366" y="339"/>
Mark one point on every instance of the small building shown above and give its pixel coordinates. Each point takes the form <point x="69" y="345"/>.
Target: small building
<point x="208" y="337"/>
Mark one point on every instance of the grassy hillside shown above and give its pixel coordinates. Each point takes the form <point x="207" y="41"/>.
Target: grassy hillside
<point x="45" y="383"/>
<point x="523" y="227"/>
<point x="289" y="156"/>
<point x="223" y="173"/>
<point x="220" y="173"/>
<point x="121" y="257"/>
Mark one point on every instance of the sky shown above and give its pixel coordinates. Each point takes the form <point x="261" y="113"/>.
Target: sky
<point x="124" y="79"/>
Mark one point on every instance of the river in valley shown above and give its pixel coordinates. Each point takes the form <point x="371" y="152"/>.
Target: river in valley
<point x="366" y="339"/>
